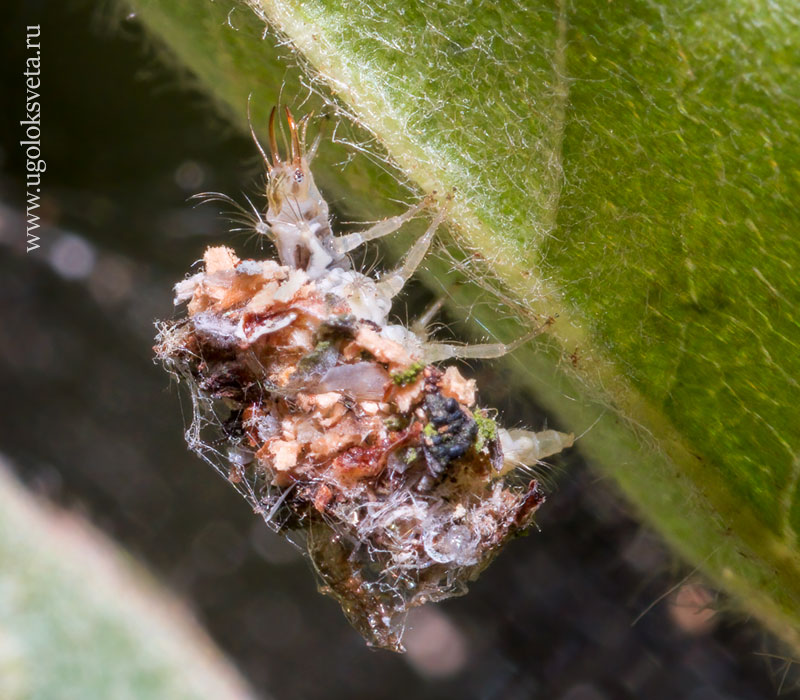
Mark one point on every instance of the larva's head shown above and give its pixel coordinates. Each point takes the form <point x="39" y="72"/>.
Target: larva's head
<point x="291" y="192"/>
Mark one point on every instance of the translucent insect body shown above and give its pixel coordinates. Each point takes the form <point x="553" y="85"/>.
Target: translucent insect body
<point x="334" y="423"/>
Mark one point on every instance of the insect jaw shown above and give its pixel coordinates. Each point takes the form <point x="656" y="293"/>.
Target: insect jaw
<point x="297" y="142"/>
<point x="289" y="177"/>
<point x="273" y="142"/>
<point x="296" y="150"/>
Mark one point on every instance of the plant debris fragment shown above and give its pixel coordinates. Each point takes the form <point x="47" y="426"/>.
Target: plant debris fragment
<point x="401" y="488"/>
<point x="335" y="423"/>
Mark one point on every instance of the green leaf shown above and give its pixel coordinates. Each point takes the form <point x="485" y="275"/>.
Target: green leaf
<point x="79" y="619"/>
<point x="627" y="169"/>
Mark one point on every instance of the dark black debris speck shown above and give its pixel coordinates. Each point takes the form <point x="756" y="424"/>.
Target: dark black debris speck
<point x="454" y="434"/>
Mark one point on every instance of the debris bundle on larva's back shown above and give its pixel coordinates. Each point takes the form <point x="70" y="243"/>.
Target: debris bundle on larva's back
<point x="334" y="422"/>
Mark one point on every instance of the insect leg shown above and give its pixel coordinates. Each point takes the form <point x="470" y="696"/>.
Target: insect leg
<point x="437" y="352"/>
<point x="392" y="282"/>
<point x="351" y="241"/>
<point x="527" y="447"/>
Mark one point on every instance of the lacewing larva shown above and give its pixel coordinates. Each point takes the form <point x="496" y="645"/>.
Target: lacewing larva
<point x="338" y="424"/>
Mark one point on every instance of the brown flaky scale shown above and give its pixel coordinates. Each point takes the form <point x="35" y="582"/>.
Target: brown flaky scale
<point x="336" y="424"/>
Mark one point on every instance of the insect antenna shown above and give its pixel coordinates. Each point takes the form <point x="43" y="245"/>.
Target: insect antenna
<point x="296" y="151"/>
<point x="303" y="127"/>
<point x="255" y="138"/>
<point x="312" y="150"/>
<point x="273" y="142"/>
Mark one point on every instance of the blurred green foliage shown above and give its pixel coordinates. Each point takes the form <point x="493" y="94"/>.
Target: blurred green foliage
<point x="78" y="619"/>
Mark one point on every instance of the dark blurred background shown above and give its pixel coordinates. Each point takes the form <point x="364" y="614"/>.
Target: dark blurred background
<point x="590" y="607"/>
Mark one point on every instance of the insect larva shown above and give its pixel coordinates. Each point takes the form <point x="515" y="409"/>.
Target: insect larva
<point x="334" y="422"/>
